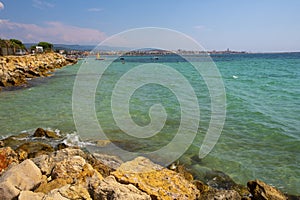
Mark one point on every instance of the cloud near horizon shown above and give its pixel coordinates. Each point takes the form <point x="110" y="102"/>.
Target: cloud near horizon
<point x="54" y="32"/>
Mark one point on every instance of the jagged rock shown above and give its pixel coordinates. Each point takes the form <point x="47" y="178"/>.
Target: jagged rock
<point x="47" y="162"/>
<point x="45" y="187"/>
<point x="70" y="167"/>
<point x="64" y="167"/>
<point x="263" y="191"/>
<point x="24" y="176"/>
<point x="69" y="192"/>
<point x="29" y="195"/>
<point x="109" y="188"/>
<point x="34" y="149"/>
<point x="111" y="161"/>
<point x="223" y="195"/>
<point x="45" y="133"/>
<point x="7" y="156"/>
<point x="159" y="182"/>
<point x="15" y="69"/>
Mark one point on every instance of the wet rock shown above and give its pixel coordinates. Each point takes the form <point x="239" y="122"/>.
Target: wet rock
<point x="221" y="195"/>
<point x="24" y="176"/>
<point x="263" y="191"/>
<point x="103" y="143"/>
<point x="158" y="182"/>
<point x="15" y="140"/>
<point x="34" y="149"/>
<point x="61" y="146"/>
<point x="109" y="188"/>
<point x="45" y="133"/>
<point x="209" y="193"/>
<point x="7" y="156"/>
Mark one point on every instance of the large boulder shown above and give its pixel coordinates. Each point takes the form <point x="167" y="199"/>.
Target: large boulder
<point x="24" y="176"/>
<point x="263" y="191"/>
<point x="155" y="180"/>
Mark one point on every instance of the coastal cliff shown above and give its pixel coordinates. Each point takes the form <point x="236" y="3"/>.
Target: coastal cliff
<point x="16" y="70"/>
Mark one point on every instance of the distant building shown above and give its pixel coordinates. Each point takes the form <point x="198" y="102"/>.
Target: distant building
<point x="39" y="49"/>
<point x="20" y="52"/>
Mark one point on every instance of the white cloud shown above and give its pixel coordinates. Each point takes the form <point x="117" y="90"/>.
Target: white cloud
<point x="55" y="32"/>
<point x="95" y="9"/>
<point x="201" y="28"/>
<point x="41" y="4"/>
<point x="1" y="6"/>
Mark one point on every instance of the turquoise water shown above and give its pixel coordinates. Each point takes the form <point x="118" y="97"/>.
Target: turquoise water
<point x="260" y="138"/>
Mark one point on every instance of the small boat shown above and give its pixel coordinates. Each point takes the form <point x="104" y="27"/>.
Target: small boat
<point x="98" y="57"/>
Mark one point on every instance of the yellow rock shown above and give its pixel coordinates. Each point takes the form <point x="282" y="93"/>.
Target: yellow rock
<point x="156" y="180"/>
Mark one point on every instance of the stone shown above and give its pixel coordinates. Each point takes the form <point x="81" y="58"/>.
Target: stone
<point x="24" y="176"/>
<point x="66" y="167"/>
<point x="155" y="180"/>
<point x="16" y="69"/>
<point x="7" y="156"/>
<point x="109" y="188"/>
<point x="15" y="140"/>
<point x="29" y="195"/>
<point x="46" y="187"/>
<point x="45" y="133"/>
<point x="263" y="191"/>
<point x="111" y="161"/>
<point x="70" y="167"/>
<point x="34" y="149"/>
<point x="70" y="192"/>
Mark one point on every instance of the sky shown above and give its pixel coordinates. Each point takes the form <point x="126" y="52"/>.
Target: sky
<point x="242" y="25"/>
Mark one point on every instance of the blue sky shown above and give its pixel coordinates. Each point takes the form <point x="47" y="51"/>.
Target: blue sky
<point x="256" y="25"/>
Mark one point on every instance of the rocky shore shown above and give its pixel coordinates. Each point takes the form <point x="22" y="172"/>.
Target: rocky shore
<point x="31" y="167"/>
<point x="16" y="70"/>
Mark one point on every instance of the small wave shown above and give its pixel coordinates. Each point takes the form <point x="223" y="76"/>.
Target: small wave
<point x="73" y="139"/>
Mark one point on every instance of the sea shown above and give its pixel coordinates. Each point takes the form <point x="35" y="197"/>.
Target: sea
<point x="260" y="138"/>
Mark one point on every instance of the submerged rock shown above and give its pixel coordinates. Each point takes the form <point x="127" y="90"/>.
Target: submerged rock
<point x="155" y="180"/>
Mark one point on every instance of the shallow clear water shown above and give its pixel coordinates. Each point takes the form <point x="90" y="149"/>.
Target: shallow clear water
<point x="261" y="135"/>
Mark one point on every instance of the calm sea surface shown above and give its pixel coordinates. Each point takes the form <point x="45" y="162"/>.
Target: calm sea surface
<point x="261" y="135"/>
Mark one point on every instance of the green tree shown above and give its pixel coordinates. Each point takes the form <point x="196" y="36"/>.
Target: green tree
<point x="46" y="46"/>
<point x="17" y="44"/>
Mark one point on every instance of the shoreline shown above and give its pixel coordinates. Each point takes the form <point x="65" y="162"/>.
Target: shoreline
<point x="15" y="71"/>
<point x="147" y="180"/>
